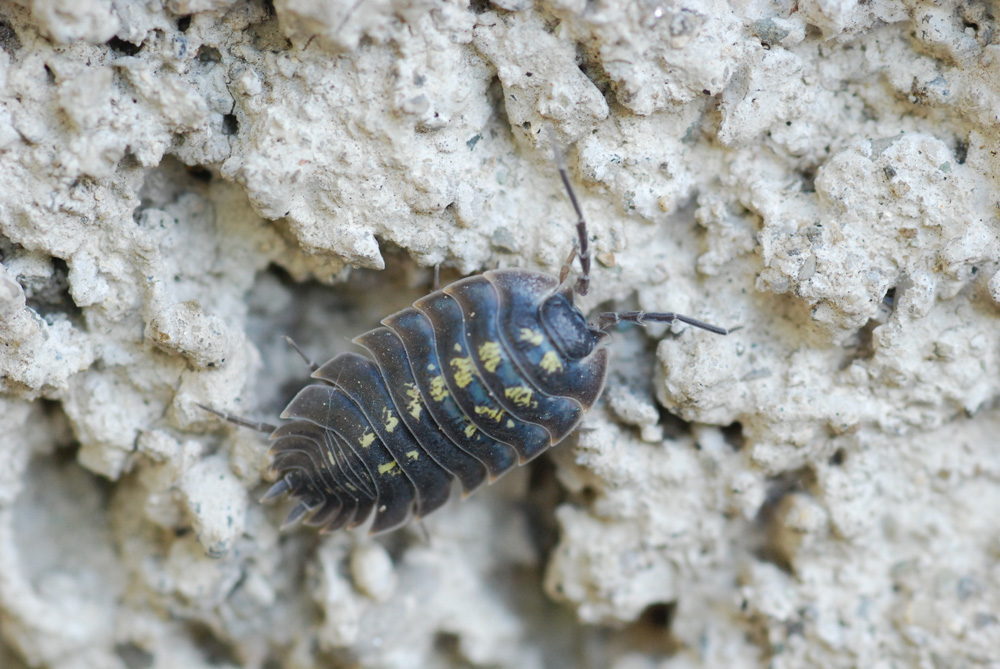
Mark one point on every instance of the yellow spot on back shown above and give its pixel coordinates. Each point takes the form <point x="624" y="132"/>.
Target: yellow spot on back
<point x="510" y="423"/>
<point x="329" y="456"/>
<point x="458" y="348"/>
<point x="470" y="430"/>
<point x="390" y="421"/>
<point x="366" y="439"/>
<point x="413" y="406"/>
<point x="438" y="389"/>
<point x="495" y="414"/>
<point x="489" y="353"/>
<point x="387" y="467"/>
<point x="413" y="455"/>
<point x="551" y="362"/>
<point x="520" y="395"/>
<point x="531" y="336"/>
<point x="464" y="369"/>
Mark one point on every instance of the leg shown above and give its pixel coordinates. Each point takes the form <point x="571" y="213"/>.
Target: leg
<point x="610" y="318"/>
<point x="583" y="283"/>
<point x="567" y="266"/>
<point x="419" y="526"/>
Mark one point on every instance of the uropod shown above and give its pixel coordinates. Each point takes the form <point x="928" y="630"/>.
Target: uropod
<point x="473" y="379"/>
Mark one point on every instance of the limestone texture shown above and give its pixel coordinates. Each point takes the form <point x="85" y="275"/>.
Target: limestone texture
<point x="183" y="182"/>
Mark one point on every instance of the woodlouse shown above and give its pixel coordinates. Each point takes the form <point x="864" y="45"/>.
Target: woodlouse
<point x="471" y="380"/>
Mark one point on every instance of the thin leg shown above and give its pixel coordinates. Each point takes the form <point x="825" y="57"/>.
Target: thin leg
<point x="302" y="354"/>
<point x="437" y="277"/>
<point x="237" y="420"/>
<point x="418" y="524"/>
<point x="567" y="266"/>
<point x="610" y="318"/>
<point x="583" y="244"/>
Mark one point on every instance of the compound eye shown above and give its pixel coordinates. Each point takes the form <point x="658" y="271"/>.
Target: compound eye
<point x="567" y="328"/>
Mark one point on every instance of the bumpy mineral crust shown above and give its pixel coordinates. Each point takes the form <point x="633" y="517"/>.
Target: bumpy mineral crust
<point x="183" y="182"/>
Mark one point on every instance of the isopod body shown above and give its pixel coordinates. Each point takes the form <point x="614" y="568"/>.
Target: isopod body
<point x="471" y="380"/>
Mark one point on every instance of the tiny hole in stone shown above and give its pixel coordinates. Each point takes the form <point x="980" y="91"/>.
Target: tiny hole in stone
<point x="121" y="46"/>
<point x="134" y="657"/>
<point x="733" y="435"/>
<point x="208" y="54"/>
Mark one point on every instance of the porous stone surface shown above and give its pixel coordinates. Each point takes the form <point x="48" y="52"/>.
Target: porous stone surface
<point x="183" y="182"/>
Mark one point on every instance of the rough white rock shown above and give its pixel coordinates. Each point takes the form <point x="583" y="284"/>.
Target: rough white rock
<point x="183" y="182"/>
<point x="187" y="330"/>
<point x="215" y="500"/>
<point x="372" y="570"/>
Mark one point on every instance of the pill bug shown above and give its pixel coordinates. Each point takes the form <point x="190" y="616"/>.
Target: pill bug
<point x="473" y="379"/>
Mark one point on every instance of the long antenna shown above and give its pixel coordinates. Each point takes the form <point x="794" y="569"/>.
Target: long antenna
<point x="611" y="318"/>
<point x="583" y="244"/>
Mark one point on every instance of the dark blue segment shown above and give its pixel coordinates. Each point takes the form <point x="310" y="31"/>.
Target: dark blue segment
<point x="300" y="465"/>
<point x="358" y="504"/>
<point x="301" y="435"/>
<point x="314" y="407"/>
<point x="358" y="507"/>
<point x="361" y="380"/>
<point x="567" y="327"/>
<point x="521" y="294"/>
<point x="417" y="335"/>
<point x="354" y="470"/>
<point x="559" y="415"/>
<point x="390" y="355"/>
<point x="294" y="445"/>
<point x="468" y="389"/>
<point x="332" y="409"/>
<point x="330" y="511"/>
<point x="306" y="436"/>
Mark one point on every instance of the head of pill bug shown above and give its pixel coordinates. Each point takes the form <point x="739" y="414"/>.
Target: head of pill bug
<point x="568" y="328"/>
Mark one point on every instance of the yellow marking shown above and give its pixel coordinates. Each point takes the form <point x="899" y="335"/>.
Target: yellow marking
<point x="390" y="421"/>
<point x="430" y="367"/>
<point x="464" y="369"/>
<point x="387" y="467"/>
<point x="329" y="456"/>
<point x="458" y="348"/>
<point x="531" y="336"/>
<point x="495" y="414"/>
<point x="489" y="353"/>
<point x="413" y="406"/>
<point x="438" y="389"/>
<point x="413" y="455"/>
<point x="350" y="486"/>
<point x="520" y="395"/>
<point x="470" y="430"/>
<point x="551" y="362"/>
<point x="510" y="423"/>
<point x="366" y="439"/>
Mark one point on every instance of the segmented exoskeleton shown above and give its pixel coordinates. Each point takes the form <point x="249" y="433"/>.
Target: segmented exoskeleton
<point x="471" y="380"/>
